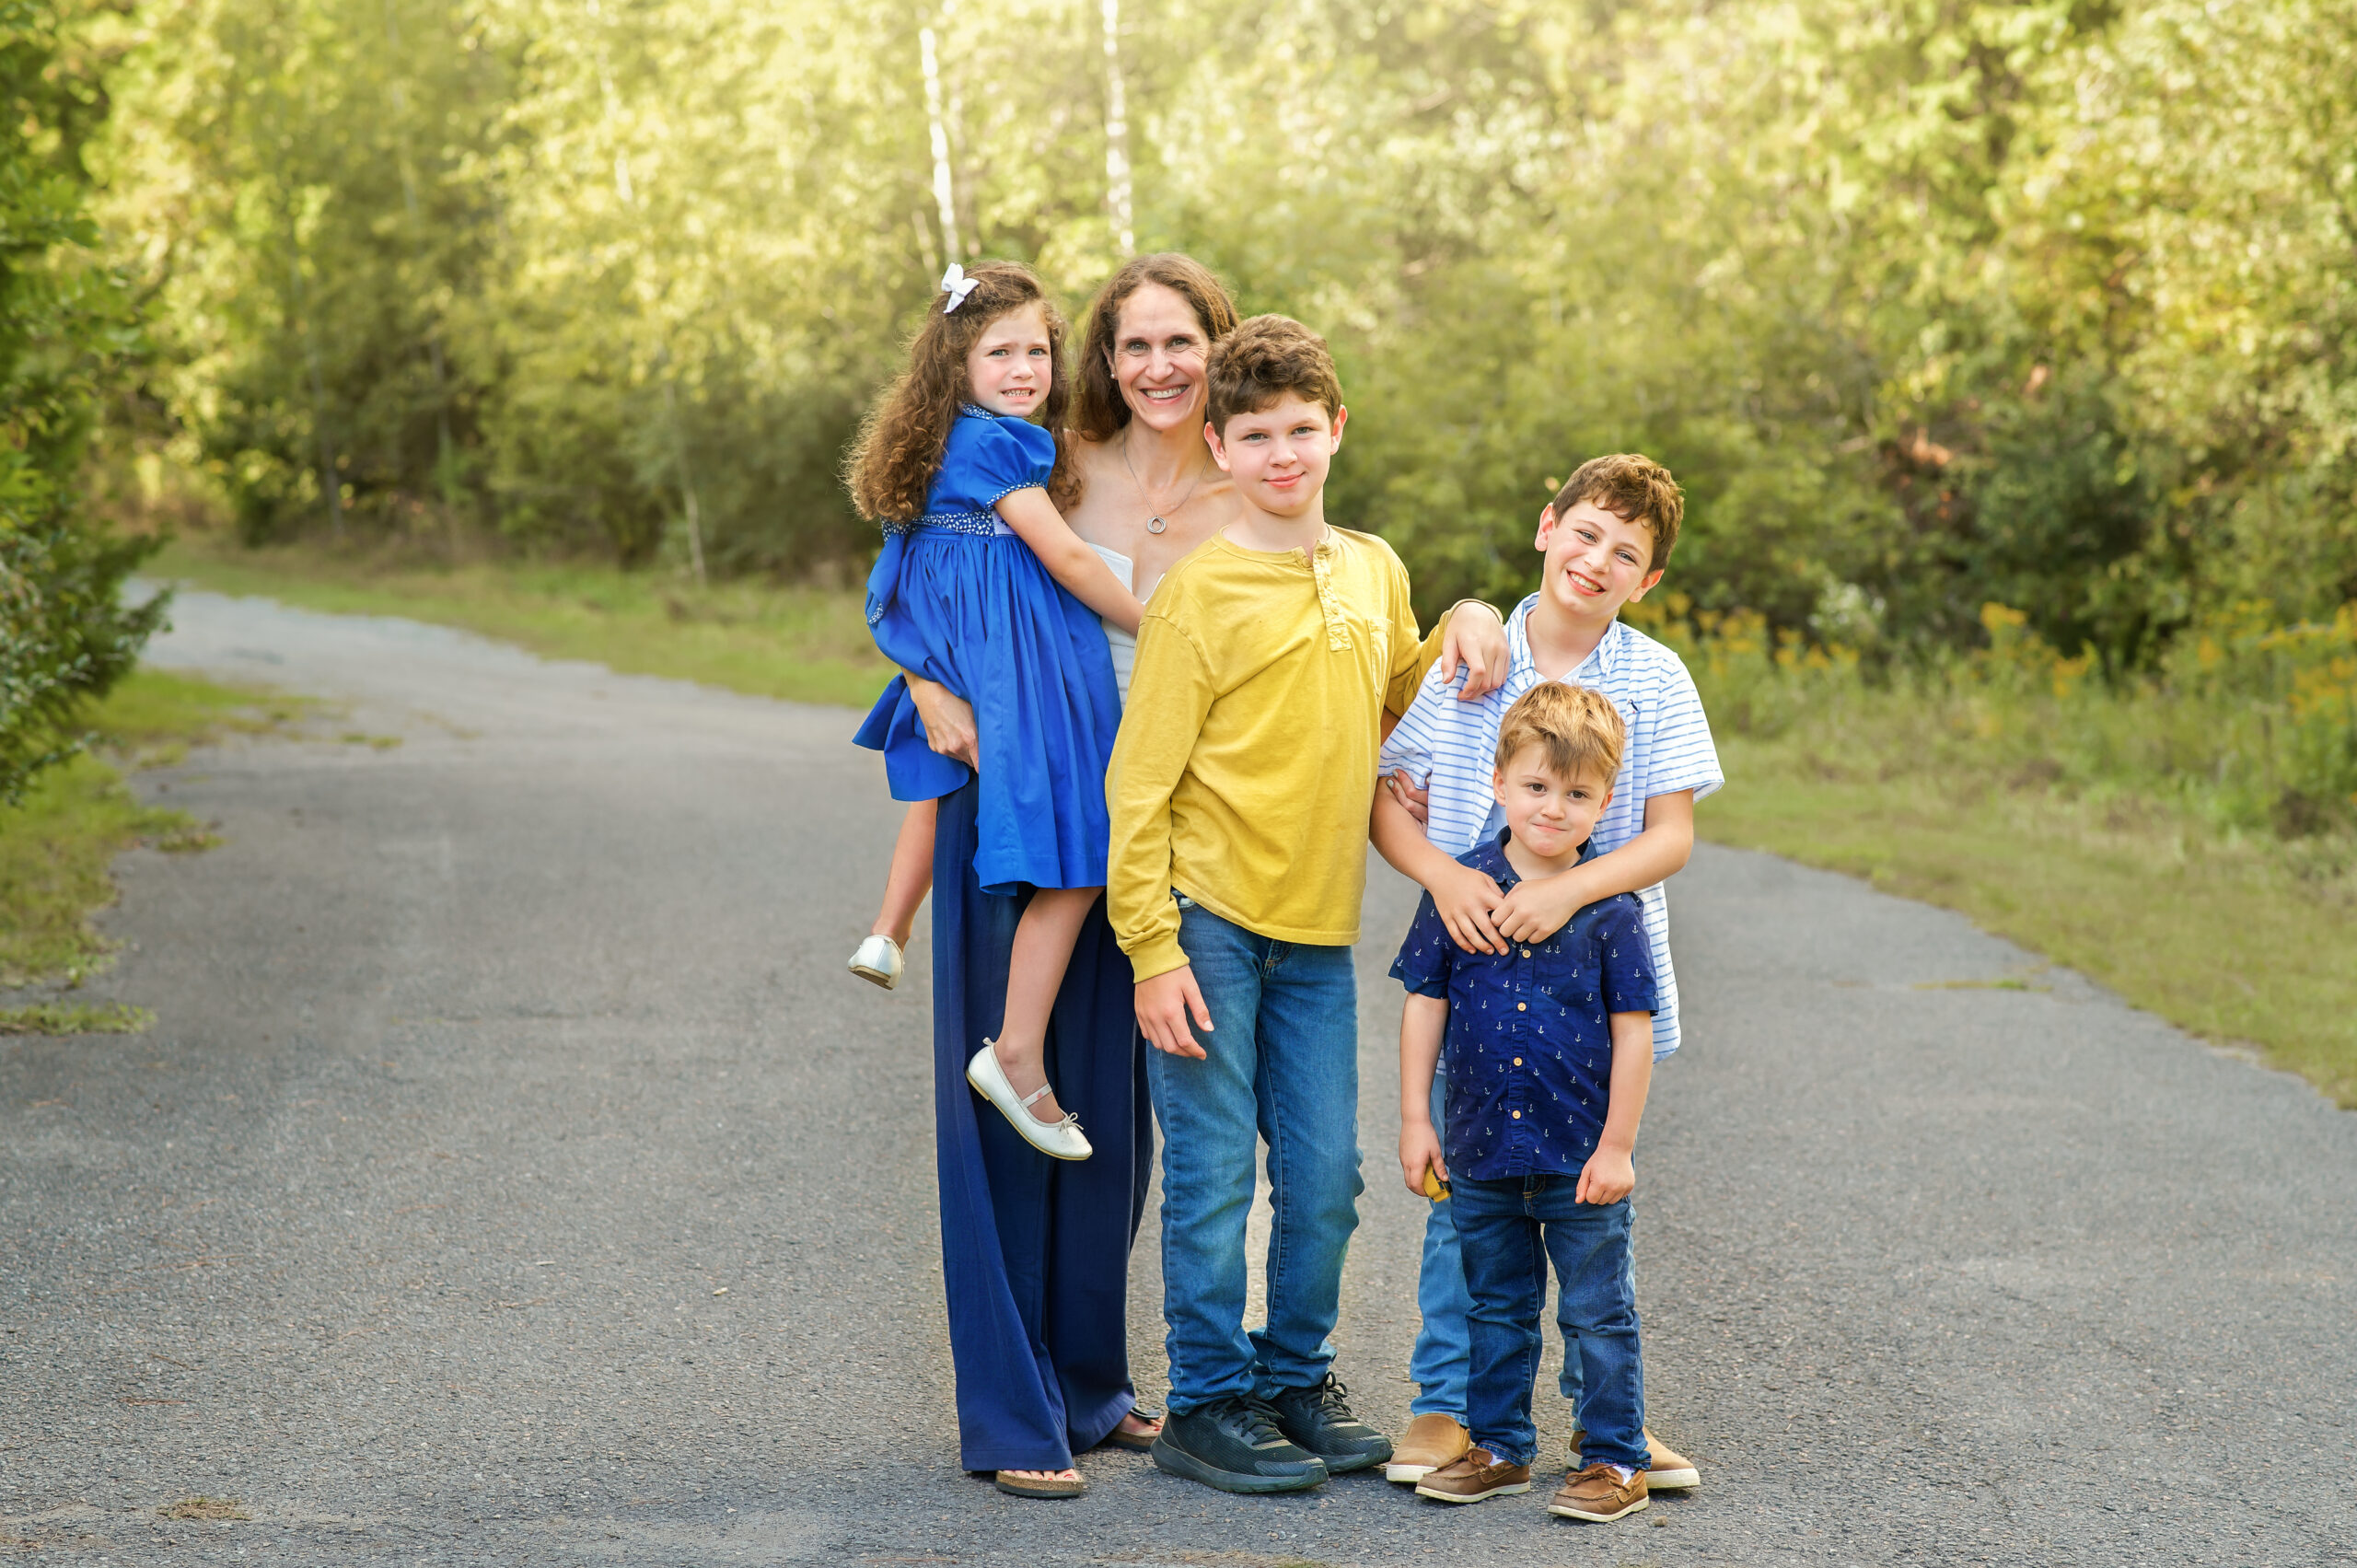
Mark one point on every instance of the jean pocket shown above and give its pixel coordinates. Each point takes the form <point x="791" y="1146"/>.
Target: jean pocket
<point x="1185" y="904"/>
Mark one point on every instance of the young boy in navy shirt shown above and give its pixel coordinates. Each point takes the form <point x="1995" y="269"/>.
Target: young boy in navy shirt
<point x="1549" y="1052"/>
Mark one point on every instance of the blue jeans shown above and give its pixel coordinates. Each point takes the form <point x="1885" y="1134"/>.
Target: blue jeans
<point x="1438" y="1362"/>
<point x="1282" y="1063"/>
<point x="1507" y="1231"/>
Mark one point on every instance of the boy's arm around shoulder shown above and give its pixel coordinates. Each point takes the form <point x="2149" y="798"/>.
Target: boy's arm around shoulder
<point x="1679" y="765"/>
<point x="1537" y="910"/>
<point x="1170" y="693"/>
<point x="1464" y="897"/>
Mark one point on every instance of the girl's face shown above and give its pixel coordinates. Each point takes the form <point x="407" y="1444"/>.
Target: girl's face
<point x="1158" y="353"/>
<point x="1010" y="367"/>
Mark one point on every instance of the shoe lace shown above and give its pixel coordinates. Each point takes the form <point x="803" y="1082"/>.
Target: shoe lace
<point x="1332" y="1395"/>
<point x="1256" y="1420"/>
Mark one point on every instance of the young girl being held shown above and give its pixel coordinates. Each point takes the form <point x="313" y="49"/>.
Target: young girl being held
<point x="982" y="587"/>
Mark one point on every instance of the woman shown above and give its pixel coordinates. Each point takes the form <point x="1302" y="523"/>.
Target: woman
<point x="1035" y="1252"/>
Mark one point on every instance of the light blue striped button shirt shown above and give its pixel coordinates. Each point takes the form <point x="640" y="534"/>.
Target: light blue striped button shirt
<point x="1452" y="746"/>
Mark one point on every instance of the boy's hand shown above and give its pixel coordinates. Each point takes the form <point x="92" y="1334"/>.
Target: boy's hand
<point x="1165" y="1004"/>
<point x="1608" y="1177"/>
<point x="1420" y="1152"/>
<point x="1535" y="910"/>
<point x="1476" y="638"/>
<point x="1415" y="800"/>
<point x="1465" y="899"/>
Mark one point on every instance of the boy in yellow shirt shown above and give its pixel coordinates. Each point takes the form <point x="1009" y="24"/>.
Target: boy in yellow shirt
<point x="1240" y="791"/>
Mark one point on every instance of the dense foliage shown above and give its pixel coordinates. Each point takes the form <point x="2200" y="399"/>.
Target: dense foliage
<point x="1931" y="303"/>
<point x="65" y="323"/>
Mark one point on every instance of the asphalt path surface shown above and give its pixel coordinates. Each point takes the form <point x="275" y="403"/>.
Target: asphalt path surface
<point x="512" y="1175"/>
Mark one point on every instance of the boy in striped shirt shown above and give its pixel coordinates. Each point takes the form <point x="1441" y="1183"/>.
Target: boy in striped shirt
<point x="1607" y="538"/>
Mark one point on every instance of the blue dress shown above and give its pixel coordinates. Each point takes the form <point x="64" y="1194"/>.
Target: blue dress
<point x="957" y="598"/>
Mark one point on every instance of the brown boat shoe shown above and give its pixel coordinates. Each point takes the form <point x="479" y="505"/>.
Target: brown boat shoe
<point x="1599" y="1496"/>
<point x="1430" y="1442"/>
<point x="1472" y="1476"/>
<point x="1671" y="1471"/>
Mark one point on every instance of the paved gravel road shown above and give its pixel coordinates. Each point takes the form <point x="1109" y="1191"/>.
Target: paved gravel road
<point x="513" y="1176"/>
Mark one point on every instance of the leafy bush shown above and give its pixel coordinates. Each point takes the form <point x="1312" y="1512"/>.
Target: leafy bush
<point x="2249" y="724"/>
<point x="64" y="323"/>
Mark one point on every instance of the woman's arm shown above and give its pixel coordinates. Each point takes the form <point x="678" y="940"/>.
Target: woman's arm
<point x="1069" y="558"/>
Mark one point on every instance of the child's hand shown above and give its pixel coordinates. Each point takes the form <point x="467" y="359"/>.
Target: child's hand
<point x="1420" y="1152"/>
<point x="1165" y="1004"/>
<point x="1475" y="638"/>
<point x="1415" y="800"/>
<point x="1465" y="899"/>
<point x="1537" y="909"/>
<point x="1608" y="1177"/>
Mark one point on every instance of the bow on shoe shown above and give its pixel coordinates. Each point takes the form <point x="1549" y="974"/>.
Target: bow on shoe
<point x="958" y="285"/>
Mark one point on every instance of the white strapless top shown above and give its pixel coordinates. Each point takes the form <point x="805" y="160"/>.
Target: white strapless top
<point x="1124" y="648"/>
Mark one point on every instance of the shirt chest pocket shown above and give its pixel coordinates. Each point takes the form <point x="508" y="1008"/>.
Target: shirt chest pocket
<point x="1562" y="978"/>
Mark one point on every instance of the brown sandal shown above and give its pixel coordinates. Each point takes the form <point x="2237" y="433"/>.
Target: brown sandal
<point x="1135" y="1441"/>
<point x="1035" y="1486"/>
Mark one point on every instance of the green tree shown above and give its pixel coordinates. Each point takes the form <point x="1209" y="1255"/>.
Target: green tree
<point x="66" y="323"/>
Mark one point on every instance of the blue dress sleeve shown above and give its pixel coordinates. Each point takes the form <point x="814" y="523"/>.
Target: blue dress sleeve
<point x="988" y="460"/>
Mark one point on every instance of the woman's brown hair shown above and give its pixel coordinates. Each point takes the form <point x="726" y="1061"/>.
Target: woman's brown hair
<point x="892" y="464"/>
<point x="1100" y="412"/>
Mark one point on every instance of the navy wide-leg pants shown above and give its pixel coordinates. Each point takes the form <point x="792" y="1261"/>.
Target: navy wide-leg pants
<point x="1035" y="1252"/>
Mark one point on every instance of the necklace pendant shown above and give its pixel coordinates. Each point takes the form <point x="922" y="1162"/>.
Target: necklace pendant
<point x="1155" y="525"/>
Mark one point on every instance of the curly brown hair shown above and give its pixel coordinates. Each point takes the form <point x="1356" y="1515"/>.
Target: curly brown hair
<point x="892" y="464"/>
<point x="1264" y="361"/>
<point x="1633" y="488"/>
<point x="1100" y="412"/>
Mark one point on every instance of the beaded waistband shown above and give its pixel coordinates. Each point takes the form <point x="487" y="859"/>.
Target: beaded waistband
<point x="986" y="521"/>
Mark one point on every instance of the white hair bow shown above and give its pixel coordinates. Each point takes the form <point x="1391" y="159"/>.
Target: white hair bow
<point x="958" y="285"/>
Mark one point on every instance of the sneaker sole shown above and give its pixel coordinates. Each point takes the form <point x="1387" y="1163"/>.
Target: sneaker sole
<point x="1178" y="1462"/>
<point x="1562" y="1511"/>
<point x="1506" y="1491"/>
<point x="1407" y="1475"/>
<point x="1353" y="1463"/>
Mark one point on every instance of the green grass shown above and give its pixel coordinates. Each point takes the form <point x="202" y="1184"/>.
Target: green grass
<point x="2187" y="840"/>
<point x="803" y="645"/>
<point x="55" y="848"/>
<point x="76" y="1018"/>
<point x="2226" y="935"/>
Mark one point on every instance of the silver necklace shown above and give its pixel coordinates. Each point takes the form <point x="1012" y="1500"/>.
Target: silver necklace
<point x="1154" y="523"/>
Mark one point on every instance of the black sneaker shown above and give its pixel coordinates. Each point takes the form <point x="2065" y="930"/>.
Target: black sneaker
<point x="1234" y="1445"/>
<point x="1318" y="1420"/>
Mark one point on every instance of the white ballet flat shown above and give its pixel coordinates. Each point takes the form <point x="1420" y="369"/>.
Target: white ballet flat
<point x="878" y="960"/>
<point x="1058" y="1140"/>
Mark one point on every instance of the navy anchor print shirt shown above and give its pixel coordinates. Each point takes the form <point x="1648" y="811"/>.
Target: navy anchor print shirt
<point x="1529" y="1045"/>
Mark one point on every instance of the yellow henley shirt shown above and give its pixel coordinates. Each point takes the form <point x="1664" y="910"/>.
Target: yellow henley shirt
<point x="1245" y="765"/>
